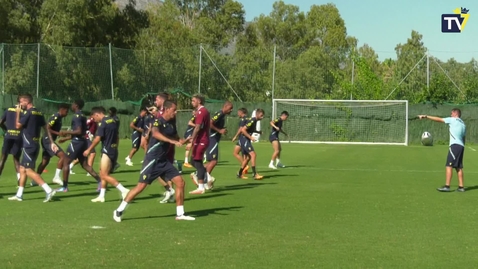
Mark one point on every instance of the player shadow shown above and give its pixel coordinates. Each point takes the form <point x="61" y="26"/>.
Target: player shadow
<point x="126" y="171"/>
<point x="241" y="186"/>
<point x="196" y="213"/>
<point x="279" y="175"/>
<point x="295" y="166"/>
<point x="472" y="188"/>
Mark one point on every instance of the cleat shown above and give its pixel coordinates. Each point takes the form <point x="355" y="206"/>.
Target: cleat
<point x="241" y="176"/>
<point x="188" y="165"/>
<point x="194" y="178"/>
<point x="183" y="217"/>
<point x="271" y="166"/>
<point x="15" y="198"/>
<point x="127" y="158"/>
<point x="62" y="189"/>
<point x="460" y="189"/>
<point x="444" y="189"/>
<point x="57" y="181"/>
<point x="88" y="175"/>
<point x="246" y="169"/>
<point x="98" y="200"/>
<point x="210" y="184"/>
<point x="49" y="196"/>
<point x="167" y="196"/>
<point x="129" y="163"/>
<point x="197" y="191"/>
<point x="124" y="194"/>
<point x="280" y="165"/>
<point x="71" y="172"/>
<point x="117" y="215"/>
<point x="258" y="177"/>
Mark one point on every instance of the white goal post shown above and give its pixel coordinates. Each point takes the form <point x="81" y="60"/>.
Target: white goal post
<point x="366" y="122"/>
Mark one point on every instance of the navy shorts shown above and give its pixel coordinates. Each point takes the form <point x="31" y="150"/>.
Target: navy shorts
<point x="113" y="156"/>
<point x="246" y="145"/>
<point x="212" y="152"/>
<point x="273" y="137"/>
<point x="47" y="152"/>
<point x="89" y="144"/>
<point x="153" y="169"/>
<point x="76" y="149"/>
<point x="12" y="146"/>
<point x="136" y="140"/>
<point x="188" y="134"/>
<point x="30" y="155"/>
<point x="455" y="156"/>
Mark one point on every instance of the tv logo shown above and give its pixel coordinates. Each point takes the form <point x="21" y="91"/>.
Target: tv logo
<point x="454" y="23"/>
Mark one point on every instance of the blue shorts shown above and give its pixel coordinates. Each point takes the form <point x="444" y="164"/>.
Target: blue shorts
<point x="246" y="145"/>
<point x="136" y="140"/>
<point x="188" y="133"/>
<point x="13" y="147"/>
<point x="153" y="169"/>
<point x="455" y="156"/>
<point x="30" y="155"/>
<point x="76" y="149"/>
<point x="212" y="152"/>
<point x="273" y="138"/>
<point x="113" y="156"/>
<point x="47" y="152"/>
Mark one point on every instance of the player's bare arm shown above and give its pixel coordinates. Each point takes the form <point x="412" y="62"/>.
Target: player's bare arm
<point x="64" y="139"/>
<point x="197" y="127"/>
<point x="94" y="143"/>
<point x="47" y="131"/>
<point x="48" y="126"/>
<point x="191" y="123"/>
<point x="159" y="136"/>
<point x="77" y="131"/>
<point x="433" y="118"/>
<point x="237" y="134"/>
<point x="131" y="125"/>
<point x="3" y="126"/>
<point x="246" y="134"/>
<point x="221" y="131"/>
<point x="274" y="125"/>
<point x="19" y="110"/>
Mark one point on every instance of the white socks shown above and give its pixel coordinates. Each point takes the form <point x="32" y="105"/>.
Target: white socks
<point x="71" y="166"/>
<point x="46" y="188"/>
<point x="122" y="206"/>
<point x="272" y="162"/>
<point x="57" y="172"/>
<point x="18" y="176"/>
<point x="20" y="191"/>
<point x="200" y="186"/>
<point x="102" y="193"/>
<point x="277" y="161"/>
<point x="121" y="188"/>
<point x="179" y="210"/>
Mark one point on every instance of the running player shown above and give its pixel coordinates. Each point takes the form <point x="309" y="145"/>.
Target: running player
<point x="107" y="133"/>
<point x="218" y="123"/>
<point x="242" y="114"/>
<point x="54" y="125"/>
<point x="187" y="136"/>
<point x="274" y="139"/>
<point x="91" y="127"/>
<point x="112" y="111"/>
<point x="79" y="142"/>
<point x="32" y="122"/>
<point x="12" y="142"/>
<point x="200" y="140"/>
<point x="245" y="141"/>
<point x="157" y="165"/>
<point x="137" y="125"/>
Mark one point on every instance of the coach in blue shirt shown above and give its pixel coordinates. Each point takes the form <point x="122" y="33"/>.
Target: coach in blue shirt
<point x="457" y="147"/>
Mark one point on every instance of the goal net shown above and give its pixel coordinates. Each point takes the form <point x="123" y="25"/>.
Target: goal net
<point x="345" y="121"/>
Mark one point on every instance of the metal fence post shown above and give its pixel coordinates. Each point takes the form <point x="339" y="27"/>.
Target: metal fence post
<point x="200" y="66"/>
<point x="3" y="67"/>
<point x="111" y="74"/>
<point x="38" y="70"/>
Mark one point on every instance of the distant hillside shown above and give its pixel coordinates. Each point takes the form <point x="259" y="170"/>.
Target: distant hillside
<point x="140" y="4"/>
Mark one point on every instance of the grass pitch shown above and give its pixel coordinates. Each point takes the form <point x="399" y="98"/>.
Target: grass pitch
<point x="333" y="206"/>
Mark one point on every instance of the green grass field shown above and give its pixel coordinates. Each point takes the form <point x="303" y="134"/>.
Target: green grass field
<point x="333" y="206"/>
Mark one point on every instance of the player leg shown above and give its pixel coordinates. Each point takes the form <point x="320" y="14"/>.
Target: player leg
<point x="186" y="156"/>
<point x="275" y="155"/>
<point x="212" y="157"/>
<point x="459" y="151"/>
<point x="168" y="195"/>
<point x="6" y="149"/>
<point x="451" y="161"/>
<point x="148" y="174"/>
<point x="136" y="143"/>
<point x="198" y="153"/>
<point x="72" y="164"/>
<point x="62" y="166"/>
<point x="169" y="173"/>
<point x="91" y="158"/>
<point x="27" y="169"/>
<point x="106" y="165"/>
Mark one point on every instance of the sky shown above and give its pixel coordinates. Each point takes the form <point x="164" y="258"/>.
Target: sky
<point x="384" y="24"/>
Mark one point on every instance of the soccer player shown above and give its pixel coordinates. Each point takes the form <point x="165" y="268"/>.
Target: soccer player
<point x="242" y="114"/>
<point x="137" y="125"/>
<point x="148" y="120"/>
<point x="218" y="129"/>
<point x="187" y="136"/>
<point x="79" y="142"/>
<point x="54" y="125"/>
<point x="107" y="133"/>
<point x="112" y="111"/>
<point x="12" y="142"/>
<point x="457" y="129"/>
<point x="200" y="140"/>
<point x="274" y="139"/>
<point x="91" y="127"/>
<point x="31" y="124"/>
<point x="245" y="140"/>
<point x="156" y="163"/>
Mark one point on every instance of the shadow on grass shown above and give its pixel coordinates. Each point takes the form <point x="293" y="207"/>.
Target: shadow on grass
<point x="295" y="166"/>
<point x="472" y="188"/>
<point x="241" y="186"/>
<point x="127" y="171"/>
<point x="197" y="213"/>
<point x="280" y="175"/>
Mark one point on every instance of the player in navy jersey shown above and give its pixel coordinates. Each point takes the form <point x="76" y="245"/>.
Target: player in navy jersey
<point x="218" y="128"/>
<point x="274" y="139"/>
<point x="245" y="140"/>
<point x="79" y="142"/>
<point x="31" y="124"/>
<point x="137" y="125"/>
<point x="187" y="136"/>
<point x="242" y="115"/>
<point x="54" y="125"/>
<point x="147" y="122"/>
<point x="107" y="133"/>
<point x="156" y="163"/>
<point x="112" y="111"/>
<point x="91" y="127"/>
<point x="12" y="141"/>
